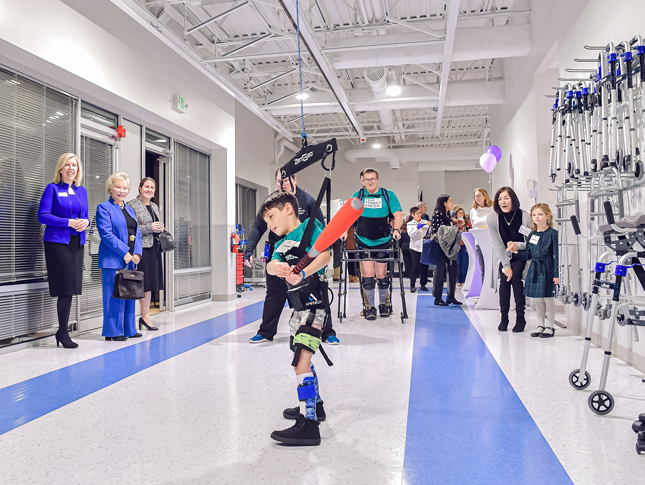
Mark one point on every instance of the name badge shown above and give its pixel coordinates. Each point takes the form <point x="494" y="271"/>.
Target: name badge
<point x="524" y="231"/>
<point x="132" y="238"/>
<point x="534" y="239"/>
<point x="62" y="194"/>
<point x="373" y="203"/>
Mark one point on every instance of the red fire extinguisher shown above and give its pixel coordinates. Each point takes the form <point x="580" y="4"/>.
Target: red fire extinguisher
<point x="235" y="242"/>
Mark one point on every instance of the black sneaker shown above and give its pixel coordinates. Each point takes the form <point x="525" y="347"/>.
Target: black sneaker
<point x="424" y="288"/>
<point x="413" y="290"/>
<point x="304" y="433"/>
<point x="440" y="302"/>
<point x="371" y="313"/>
<point x="385" y="310"/>
<point x="293" y="413"/>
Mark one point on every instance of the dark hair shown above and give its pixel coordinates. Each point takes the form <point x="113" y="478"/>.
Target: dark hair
<point x="414" y="210"/>
<point x="440" y="207"/>
<point x="370" y="170"/>
<point x="279" y="200"/>
<point x="511" y="193"/>
<point x="362" y="173"/>
<point x="147" y="179"/>
<point x="292" y="177"/>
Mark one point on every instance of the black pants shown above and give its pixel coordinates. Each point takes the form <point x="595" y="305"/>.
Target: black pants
<point x="445" y="267"/>
<point x="517" y="265"/>
<point x="407" y="263"/>
<point x="276" y="297"/>
<point x="418" y="270"/>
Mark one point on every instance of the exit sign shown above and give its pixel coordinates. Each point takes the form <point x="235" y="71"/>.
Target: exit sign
<point x="179" y="104"/>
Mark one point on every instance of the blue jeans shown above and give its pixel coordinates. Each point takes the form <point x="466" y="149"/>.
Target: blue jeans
<point x="462" y="264"/>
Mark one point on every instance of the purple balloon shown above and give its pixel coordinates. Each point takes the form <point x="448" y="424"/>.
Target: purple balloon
<point x="495" y="150"/>
<point x="487" y="162"/>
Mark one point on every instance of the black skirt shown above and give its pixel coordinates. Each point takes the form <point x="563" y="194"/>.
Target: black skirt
<point x="152" y="267"/>
<point x="65" y="267"/>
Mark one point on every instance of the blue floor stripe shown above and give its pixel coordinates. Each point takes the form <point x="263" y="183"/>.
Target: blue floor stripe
<point x="466" y="424"/>
<point x="25" y="401"/>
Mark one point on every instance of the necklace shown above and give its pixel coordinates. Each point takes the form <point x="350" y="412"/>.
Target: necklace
<point x="509" y="223"/>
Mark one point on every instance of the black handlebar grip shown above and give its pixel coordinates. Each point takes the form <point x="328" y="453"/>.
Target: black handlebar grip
<point x="576" y="226"/>
<point x="609" y="212"/>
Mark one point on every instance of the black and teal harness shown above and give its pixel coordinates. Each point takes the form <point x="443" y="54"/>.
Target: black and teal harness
<point x="374" y="228"/>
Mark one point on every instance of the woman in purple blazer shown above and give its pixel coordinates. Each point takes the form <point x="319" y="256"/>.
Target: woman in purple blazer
<point x="64" y="211"/>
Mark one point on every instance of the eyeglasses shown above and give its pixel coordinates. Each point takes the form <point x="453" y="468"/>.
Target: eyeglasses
<point x="370" y="181"/>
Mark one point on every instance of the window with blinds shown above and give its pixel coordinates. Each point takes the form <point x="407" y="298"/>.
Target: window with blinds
<point x="192" y="208"/>
<point x="37" y="125"/>
<point x="97" y="159"/>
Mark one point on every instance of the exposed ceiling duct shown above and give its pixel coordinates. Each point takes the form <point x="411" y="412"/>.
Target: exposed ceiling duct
<point x="429" y="158"/>
<point x="376" y="77"/>
<point x="471" y="43"/>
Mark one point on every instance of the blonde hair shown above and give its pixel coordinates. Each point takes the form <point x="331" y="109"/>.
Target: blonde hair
<point x="458" y="207"/>
<point x="109" y="183"/>
<point x="547" y="212"/>
<point x="487" y="200"/>
<point x="62" y="160"/>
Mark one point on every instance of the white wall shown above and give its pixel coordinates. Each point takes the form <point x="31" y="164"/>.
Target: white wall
<point x="93" y="50"/>
<point x="254" y="148"/>
<point x="461" y="185"/>
<point x="522" y="125"/>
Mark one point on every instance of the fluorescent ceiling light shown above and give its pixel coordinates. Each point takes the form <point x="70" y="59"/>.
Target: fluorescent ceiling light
<point x="393" y="90"/>
<point x="302" y="96"/>
<point x="376" y="145"/>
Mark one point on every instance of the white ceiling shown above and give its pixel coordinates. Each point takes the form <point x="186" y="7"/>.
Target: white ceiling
<point x="444" y="55"/>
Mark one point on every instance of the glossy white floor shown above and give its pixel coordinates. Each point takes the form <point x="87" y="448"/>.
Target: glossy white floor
<point x="205" y="415"/>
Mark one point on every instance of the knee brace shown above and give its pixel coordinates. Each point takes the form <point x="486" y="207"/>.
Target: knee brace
<point x="306" y="338"/>
<point x="383" y="283"/>
<point x="369" y="283"/>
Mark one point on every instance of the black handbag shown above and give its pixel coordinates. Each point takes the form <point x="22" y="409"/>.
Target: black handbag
<point x="166" y="242"/>
<point x="128" y="285"/>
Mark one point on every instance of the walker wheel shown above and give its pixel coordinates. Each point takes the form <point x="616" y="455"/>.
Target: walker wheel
<point x="563" y="294"/>
<point x="601" y="402"/>
<point x="576" y="382"/>
<point x="586" y="301"/>
<point x="638" y="426"/>
<point x="640" y="446"/>
<point x="576" y="299"/>
<point x="638" y="171"/>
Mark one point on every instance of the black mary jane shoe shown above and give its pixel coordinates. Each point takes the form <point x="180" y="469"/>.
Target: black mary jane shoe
<point x="547" y="334"/>
<point x="538" y="332"/>
<point x="143" y="323"/>
<point x="120" y="338"/>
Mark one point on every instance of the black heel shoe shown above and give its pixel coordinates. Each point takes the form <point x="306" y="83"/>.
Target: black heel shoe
<point x="66" y="341"/>
<point x="148" y="327"/>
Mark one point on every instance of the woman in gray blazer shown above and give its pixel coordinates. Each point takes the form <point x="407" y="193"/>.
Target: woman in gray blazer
<point x="509" y="225"/>
<point x="151" y="264"/>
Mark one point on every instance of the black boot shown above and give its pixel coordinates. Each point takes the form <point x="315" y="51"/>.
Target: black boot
<point x="62" y="337"/>
<point x="304" y="433"/>
<point x="503" y="325"/>
<point x="520" y="324"/>
<point x="293" y="413"/>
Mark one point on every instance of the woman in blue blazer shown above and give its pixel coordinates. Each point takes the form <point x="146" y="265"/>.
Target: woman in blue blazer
<point x="64" y="211"/>
<point x="121" y="245"/>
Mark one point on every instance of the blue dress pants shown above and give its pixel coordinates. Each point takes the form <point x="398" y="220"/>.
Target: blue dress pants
<point x="118" y="315"/>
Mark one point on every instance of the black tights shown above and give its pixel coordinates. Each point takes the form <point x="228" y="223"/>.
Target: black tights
<point x="63" y="307"/>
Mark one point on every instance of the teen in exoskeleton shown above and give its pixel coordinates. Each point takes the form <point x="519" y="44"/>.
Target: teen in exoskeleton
<point x="308" y="298"/>
<point x="542" y="250"/>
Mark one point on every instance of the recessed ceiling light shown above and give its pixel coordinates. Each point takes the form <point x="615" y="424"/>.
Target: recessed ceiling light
<point x="302" y="96"/>
<point x="376" y="145"/>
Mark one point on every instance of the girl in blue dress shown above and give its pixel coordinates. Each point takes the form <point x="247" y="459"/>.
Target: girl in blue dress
<point x="542" y="250"/>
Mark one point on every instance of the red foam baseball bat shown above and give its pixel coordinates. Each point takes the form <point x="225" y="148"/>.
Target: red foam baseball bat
<point x="339" y="224"/>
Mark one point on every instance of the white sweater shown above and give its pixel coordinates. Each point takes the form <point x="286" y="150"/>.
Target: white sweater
<point x="478" y="217"/>
<point x="416" y="236"/>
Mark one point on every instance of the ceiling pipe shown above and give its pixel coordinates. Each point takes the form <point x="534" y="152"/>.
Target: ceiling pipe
<point x="464" y="156"/>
